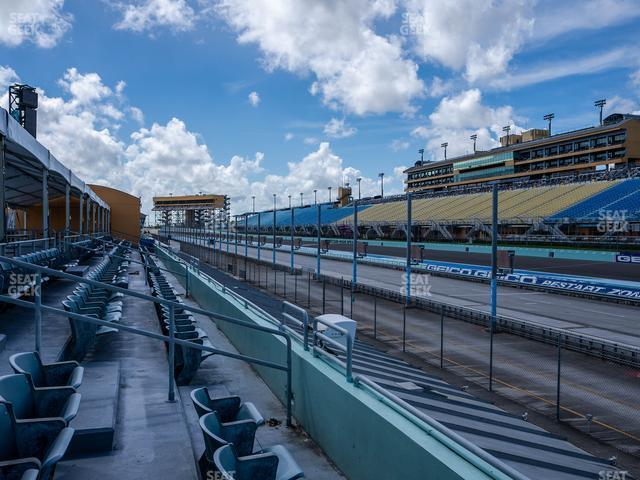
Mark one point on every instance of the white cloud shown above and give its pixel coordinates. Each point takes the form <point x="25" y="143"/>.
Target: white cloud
<point x="355" y="68"/>
<point x="339" y="129"/>
<point x="147" y="15"/>
<point x="41" y="22"/>
<point x="618" y="104"/>
<point x="288" y="136"/>
<point x="558" y="69"/>
<point x="254" y="99"/>
<point x="8" y="76"/>
<point x="559" y="18"/>
<point x="136" y="114"/>
<point x="310" y="140"/>
<point x="398" y="145"/>
<point x="457" y="117"/>
<point x="479" y="36"/>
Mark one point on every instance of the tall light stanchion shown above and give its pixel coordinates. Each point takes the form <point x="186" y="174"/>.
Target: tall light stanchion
<point x="235" y="226"/>
<point x="407" y="292"/>
<point x="292" y="228"/>
<point x="259" y="236"/>
<point x="319" y="229"/>
<point x="354" y="267"/>
<point x="246" y="236"/>
<point x="273" y="257"/>
<point x="494" y="279"/>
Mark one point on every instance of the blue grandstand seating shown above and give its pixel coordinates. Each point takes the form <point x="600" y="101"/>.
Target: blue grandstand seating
<point x="303" y="216"/>
<point x="274" y="463"/>
<point x="229" y="409"/>
<point x="622" y="196"/>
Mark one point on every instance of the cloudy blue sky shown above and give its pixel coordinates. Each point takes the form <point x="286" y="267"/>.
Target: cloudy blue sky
<point x="254" y="97"/>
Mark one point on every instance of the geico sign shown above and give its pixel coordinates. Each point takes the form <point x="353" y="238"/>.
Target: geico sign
<point x="628" y="258"/>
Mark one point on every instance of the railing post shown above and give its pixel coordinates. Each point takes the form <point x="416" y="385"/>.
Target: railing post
<point x="324" y="296"/>
<point x="186" y="280"/>
<point x="441" y="336"/>
<point x="375" y="315"/>
<point x="558" y="377"/>
<point x="289" y="382"/>
<point x="38" y="312"/>
<point x="172" y="353"/>
<point x="404" y="328"/>
<point x="349" y="358"/>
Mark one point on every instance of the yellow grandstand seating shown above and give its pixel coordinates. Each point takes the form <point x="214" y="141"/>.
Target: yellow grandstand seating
<point x="515" y="204"/>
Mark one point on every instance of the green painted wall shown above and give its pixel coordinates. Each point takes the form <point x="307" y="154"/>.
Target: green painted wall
<point x="363" y="436"/>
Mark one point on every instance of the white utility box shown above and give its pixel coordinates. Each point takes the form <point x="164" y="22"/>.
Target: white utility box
<point x="339" y="321"/>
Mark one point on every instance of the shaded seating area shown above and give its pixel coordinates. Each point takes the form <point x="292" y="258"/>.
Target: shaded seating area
<point x="95" y="302"/>
<point x="187" y="360"/>
<point x="229" y="427"/>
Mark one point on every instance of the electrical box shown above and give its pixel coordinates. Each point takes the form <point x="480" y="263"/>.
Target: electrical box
<point x="339" y="321"/>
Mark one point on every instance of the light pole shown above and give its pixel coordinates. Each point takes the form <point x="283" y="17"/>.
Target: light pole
<point x="381" y="175"/>
<point x="301" y="199"/>
<point x="548" y="117"/>
<point x="445" y="145"/>
<point x="289" y="201"/>
<point x="507" y="129"/>
<point x="329" y="188"/>
<point x="274" y="232"/>
<point x="421" y="152"/>
<point x="474" y="137"/>
<point x="315" y="196"/>
<point x="253" y="198"/>
<point x="600" y="104"/>
<point x="359" y="179"/>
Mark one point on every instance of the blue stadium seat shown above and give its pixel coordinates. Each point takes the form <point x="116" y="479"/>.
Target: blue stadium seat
<point x="30" y="402"/>
<point x="32" y="445"/>
<point x="58" y="374"/>
<point x="274" y="463"/>
<point x="229" y="409"/>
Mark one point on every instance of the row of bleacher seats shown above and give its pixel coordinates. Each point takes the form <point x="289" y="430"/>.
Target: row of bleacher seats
<point x="37" y="404"/>
<point x="621" y="196"/>
<point x="303" y="216"/>
<point x="187" y="360"/>
<point x="97" y="302"/>
<point x="538" y="202"/>
<point x="229" y="428"/>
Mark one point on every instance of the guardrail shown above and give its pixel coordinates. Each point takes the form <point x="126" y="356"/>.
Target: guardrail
<point x="17" y="247"/>
<point x="38" y="308"/>
<point x="288" y="310"/>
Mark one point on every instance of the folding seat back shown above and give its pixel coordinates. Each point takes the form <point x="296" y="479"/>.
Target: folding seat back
<point x="8" y="447"/>
<point x="17" y="390"/>
<point x="29" y="363"/>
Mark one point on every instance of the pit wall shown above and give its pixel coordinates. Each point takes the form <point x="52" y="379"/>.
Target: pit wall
<point x="363" y="436"/>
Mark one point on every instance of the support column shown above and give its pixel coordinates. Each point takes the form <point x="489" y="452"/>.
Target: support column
<point x="67" y="209"/>
<point x="81" y="213"/>
<point x="86" y="215"/>
<point x="45" y="204"/>
<point x="3" y="218"/>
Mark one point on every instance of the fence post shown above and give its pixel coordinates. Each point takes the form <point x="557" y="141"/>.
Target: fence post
<point x="186" y="280"/>
<point x="558" y="377"/>
<point x="308" y="289"/>
<point x="324" y="296"/>
<point x="38" y="312"/>
<point x="295" y="288"/>
<point x="375" y="315"/>
<point x="404" y="328"/>
<point x="284" y="286"/>
<point x="341" y="295"/>
<point x="172" y="353"/>
<point x="441" y="336"/>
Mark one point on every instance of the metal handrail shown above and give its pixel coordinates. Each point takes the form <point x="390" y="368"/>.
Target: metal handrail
<point x="443" y="434"/>
<point x="171" y="304"/>
<point x="304" y="323"/>
<point x="348" y="350"/>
